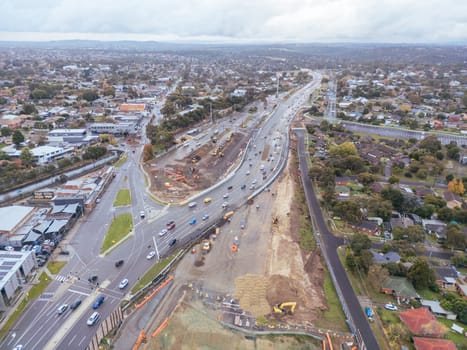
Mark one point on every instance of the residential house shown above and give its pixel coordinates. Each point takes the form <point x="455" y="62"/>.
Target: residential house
<point x="435" y="307"/>
<point x="367" y="227"/>
<point x="436" y="227"/>
<point x="401" y="222"/>
<point x="342" y="192"/>
<point x="389" y="257"/>
<point x="446" y="278"/>
<point x="421" y="322"/>
<point x="452" y="199"/>
<point x="400" y="287"/>
<point x="433" y="344"/>
<point x="461" y="288"/>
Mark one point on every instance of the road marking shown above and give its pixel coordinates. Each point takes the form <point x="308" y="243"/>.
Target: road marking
<point x="81" y="341"/>
<point x="61" y="278"/>
<point x="78" y="292"/>
<point x="46" y="296"/>
<point x="71" y="341"/>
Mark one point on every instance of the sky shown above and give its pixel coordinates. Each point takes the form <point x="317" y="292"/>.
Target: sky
<point x="389" y="21"/>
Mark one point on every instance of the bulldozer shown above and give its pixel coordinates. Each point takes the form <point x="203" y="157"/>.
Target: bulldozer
<point x="286" y="308"/>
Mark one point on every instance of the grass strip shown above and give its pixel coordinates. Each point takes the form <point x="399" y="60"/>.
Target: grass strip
<point x="120" y="227"/>
<point x="123" y="198"/>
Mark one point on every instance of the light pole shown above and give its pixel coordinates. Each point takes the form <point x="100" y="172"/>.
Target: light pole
<point x="155" y="247"/>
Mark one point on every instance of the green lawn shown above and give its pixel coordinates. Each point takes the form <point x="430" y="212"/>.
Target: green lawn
<point x="33" y="293"/>
<point x="123" y="198"/>
<point x="152" y="273"/>
<point x="454" y="336"/>
<point x="55" y="266"/>
<point x="334" y="317"/>
<point x="121" y="161"/>
<point x="119" y="228"/>
<point x="428" y="294"/>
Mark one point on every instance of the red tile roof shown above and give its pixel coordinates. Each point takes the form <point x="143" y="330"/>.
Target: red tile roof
<point x="433" y="344"/>
<point x="422" y="322"/>
<point x="132" y="107"/>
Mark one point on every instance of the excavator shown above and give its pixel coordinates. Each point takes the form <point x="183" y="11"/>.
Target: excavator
<point x="286" y="308"/>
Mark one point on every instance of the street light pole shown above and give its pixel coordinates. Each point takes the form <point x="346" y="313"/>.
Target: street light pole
<point x="155" y="247"/>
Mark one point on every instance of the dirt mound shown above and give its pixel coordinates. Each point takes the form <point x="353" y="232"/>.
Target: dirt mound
<point x="250" y="290"/>
<point x="282" y="289"/>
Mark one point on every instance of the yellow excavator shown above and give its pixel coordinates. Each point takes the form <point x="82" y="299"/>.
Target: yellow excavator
<point x="285" y="308"/>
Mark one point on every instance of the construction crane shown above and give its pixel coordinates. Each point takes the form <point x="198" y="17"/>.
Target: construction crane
<point x="285" y="308"/>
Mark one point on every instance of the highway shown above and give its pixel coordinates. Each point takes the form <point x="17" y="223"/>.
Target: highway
<point x="329" y="244"/>
<point x="40" y="326"/>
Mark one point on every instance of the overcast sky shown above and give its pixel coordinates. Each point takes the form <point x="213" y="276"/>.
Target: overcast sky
<point x="404" y="21"/>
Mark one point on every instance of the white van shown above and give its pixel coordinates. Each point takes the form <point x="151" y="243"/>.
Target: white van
<point x="93" y="318"/>
<point x="192" y="205"/>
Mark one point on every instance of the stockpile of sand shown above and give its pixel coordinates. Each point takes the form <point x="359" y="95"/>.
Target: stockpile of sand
<point x="251" y="292"/>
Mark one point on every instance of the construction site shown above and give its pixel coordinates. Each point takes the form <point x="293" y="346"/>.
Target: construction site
<point x="247" y="280"/>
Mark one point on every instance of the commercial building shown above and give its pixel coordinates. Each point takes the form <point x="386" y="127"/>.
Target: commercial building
<point x="15" y="270"/>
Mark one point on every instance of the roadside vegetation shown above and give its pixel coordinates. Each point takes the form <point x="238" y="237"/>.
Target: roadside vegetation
<point x="152" y="273"/>
<point x="123" y="198"/>
<point x="121" y="160"/>
<point x="55" y="266"/>
<point x="334" y="317"/>
<point x="119" y="228"/>
<point x="35" y="291"/>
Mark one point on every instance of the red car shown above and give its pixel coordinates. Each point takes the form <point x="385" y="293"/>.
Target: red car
<point x="171" y="225"/>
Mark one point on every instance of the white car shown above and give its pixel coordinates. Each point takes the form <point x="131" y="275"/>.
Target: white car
<point x="151" y="255"/>
<point x="142" y="214"/>
<point x="390" y="307"/>
<point x="123" y="283"/>
<point x="192" y="205"/>
<point x="93" y="318"/>
<point x="254" y="181"/>
<point x="225" y="205"/>
<point x="62" y="308"/>
<point x="248" y="172"/>
<point x="163" y="232"/>
<point x="225" y="195"/>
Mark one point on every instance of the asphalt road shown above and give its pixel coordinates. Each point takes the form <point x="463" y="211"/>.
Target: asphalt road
<point x="329" y="243"/>
<point x="41" y="327"/>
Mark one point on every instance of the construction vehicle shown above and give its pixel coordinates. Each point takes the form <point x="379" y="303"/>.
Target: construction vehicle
<point x="228" y="215"/>
<point x="205" y="246"/>
<point x="286" y="308"/>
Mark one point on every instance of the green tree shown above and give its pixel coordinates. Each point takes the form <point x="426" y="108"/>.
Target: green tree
<point x="17" y="138"/>
<point x="29" y="108"/>
<point x="5" y="131"/>
<point x="380" y="208"/>
<point x="366" y="178"/>
<point x="94" y="152"/>
<point x="393" y="180"/>
<point x="455" y="237"/>
<point x="348" y="210"/>
<point x="394" y="196"/>
<point x="421" y="275"/>
<point x="89" y="95"/>
<point x="430" y="144"/>
<point x="359" y="242"/>
<point x="343" y="150"/>
<point x="26" y="157"/>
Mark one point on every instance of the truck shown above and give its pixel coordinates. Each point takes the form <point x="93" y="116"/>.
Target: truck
<point x="228" y="215"/>
<point x="205" y="246"/>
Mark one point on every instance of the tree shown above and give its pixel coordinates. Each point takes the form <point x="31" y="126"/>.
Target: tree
<point x="376" y="276"/>
<point x="348" y="210"/>
<point x="366" y="178"/>
<point x="359" y="242"/>
<point x="456" y="186"/>
<point x="148" y="152"/>
<point x="421" y="275"/>
<point x="17" y="138"/>
<point x="29" y="108"/>
<point x="343" y="150"/>
<point x="94" y="152"/>
<point x="393" y="180"/>
<point x="26" y="157"/>
<point x="90" y="95"/>
<point x="394" y="196"/>
<point x="380" y="208"/>
<point x="431" y="144"/>
<point x="5" y="131"/>
<point x="455" y="237"/>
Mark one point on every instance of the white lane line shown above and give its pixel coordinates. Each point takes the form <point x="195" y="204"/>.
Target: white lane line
<point x="71" y="341"/>
<point x="81" y="341"/>
<point x="78" y="292"/>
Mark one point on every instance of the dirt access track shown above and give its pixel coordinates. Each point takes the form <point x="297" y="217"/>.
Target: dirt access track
<point x="268" y="268"/>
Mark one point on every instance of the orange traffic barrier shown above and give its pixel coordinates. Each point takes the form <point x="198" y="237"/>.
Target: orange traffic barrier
<point x="234" y="248"/>
<point x="160" y="328"/>
<point x="329" y="341"/>
<point x="154" y="292"/>
<point x="141" y="339"/>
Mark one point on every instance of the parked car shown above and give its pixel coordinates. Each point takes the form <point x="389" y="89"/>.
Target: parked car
<point x="64" y="252"/>
<point x="123" y="283"/>
<point x="62" y="308"/>
<point x="119" y="263"/>
<point x="151" y="255"/>
<point x="390" y="307"/>
<point x="98" y="302"/>
<point x="93" y="319"/>
<point x="75" y="304"/>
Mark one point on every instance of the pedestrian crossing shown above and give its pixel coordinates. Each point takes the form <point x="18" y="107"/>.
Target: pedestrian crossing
<point x="62" y="278"/>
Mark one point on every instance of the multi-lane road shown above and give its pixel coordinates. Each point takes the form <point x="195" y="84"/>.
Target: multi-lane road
<point x="41" y="327"/>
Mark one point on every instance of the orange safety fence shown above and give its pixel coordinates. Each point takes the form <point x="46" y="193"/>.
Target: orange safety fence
<point x="141" y="339"/>
<point x="329" y="341"/>
<point x="160" y="328"/>
<point x="154" y="292"/>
